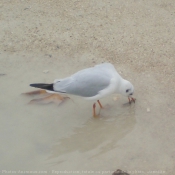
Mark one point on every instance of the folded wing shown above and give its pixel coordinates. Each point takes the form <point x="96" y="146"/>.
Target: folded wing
<point x="86" y="83"/>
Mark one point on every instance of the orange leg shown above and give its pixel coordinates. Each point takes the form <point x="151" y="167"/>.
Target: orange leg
<point x="129" y="100"/>
<point x="133" y="99"/>
<point x="99" y="104"/>
<point x="94" y="113"/>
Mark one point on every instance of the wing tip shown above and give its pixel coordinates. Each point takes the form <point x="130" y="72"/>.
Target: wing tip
<point x="43" y="86"/>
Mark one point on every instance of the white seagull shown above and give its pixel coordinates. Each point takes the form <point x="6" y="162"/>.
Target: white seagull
<point x="92" y="83"/>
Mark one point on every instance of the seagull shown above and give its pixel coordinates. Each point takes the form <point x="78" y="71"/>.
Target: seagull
<point x="92" y="83"/>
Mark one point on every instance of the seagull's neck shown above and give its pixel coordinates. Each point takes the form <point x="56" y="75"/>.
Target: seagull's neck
<point x="121" y="84"/>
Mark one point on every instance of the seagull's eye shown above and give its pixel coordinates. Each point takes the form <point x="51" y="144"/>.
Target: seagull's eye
<point x="127" y="90"/>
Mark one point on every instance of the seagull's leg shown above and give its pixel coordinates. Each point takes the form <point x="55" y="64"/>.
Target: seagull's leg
<point x="133" y="99"/>
<point x="94" y="113"/>
<point x="129" y="100"/>
<point x="100" y="104"/>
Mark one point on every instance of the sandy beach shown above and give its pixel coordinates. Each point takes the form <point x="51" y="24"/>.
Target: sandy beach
<point x="51" y="39"/>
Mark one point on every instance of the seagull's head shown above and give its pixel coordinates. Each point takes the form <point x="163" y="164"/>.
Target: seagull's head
<point x="127" y="88"/>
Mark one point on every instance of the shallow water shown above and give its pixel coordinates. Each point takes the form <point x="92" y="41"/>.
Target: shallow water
<point x="66" y="137"/>
<point x="42" y="42"/>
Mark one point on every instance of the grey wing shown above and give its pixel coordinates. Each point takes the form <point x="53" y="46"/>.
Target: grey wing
<point x="85" y="83"/>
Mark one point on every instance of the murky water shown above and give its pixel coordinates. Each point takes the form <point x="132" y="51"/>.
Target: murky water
<point x="66" y="137"/>
<point x="44" y="41"/>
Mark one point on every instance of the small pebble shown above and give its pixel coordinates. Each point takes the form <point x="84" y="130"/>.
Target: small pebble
<point x="120" y="172"/>
<point x="2" y="74"/>
<point x="115" y="98"/>
<point x="45" y="71"/>
<point x="148" y="110"/>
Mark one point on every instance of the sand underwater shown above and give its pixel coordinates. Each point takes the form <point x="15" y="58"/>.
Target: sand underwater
<point x="45" y="40"/>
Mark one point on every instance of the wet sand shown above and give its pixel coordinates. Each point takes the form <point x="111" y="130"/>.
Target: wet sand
<point x="63" y="37"/>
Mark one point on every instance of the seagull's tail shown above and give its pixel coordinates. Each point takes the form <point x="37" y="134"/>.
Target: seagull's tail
<point x="43" y="86"/>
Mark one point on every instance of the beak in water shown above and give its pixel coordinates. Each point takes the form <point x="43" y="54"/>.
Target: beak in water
<point x="131" y="99"/>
